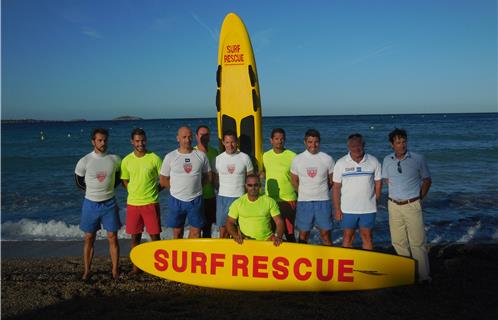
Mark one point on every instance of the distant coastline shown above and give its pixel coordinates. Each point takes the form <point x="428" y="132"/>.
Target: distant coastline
<point x="10" y="121"/>
<point x="135" y="118"/>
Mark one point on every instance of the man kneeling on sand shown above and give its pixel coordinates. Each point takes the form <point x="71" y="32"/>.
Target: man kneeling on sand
<point x="253" y="213"/>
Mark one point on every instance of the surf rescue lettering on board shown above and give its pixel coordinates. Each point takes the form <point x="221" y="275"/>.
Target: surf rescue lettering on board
<point x="279" y="268"/>
<point x="233" y="55"/>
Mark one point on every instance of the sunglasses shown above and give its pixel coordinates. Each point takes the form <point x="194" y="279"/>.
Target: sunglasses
<point x="399" y="167"/>
<point x="252" y="185"/>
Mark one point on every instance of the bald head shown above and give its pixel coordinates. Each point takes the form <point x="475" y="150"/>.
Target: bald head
<point x="184" y="139"/>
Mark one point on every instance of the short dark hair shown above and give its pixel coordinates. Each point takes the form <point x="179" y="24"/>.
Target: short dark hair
<point x="252" y="175"/>
<point x="277" y="130"/>
<point x="99" y="130"/>
<point x="312" y="133"/>
<point x="229" y="133"/>
<point x="200" y="127"/>
<point x="356" y="136"/>
<point x="397" y="132"/>
<point x="138" y="132"/>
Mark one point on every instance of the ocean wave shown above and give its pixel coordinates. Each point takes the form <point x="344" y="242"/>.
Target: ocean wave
<point x="470" y="229"/>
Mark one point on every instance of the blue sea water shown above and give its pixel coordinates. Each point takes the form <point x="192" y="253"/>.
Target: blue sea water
<point x="41" y="202"/>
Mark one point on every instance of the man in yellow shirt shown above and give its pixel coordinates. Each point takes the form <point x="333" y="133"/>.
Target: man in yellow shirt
<point x="253" y="213"/>
<point x="140" y="175"/>
<point x="276" y="169"/>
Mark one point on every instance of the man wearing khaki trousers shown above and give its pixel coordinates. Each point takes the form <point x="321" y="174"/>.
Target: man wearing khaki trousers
<point x="408" y="177"/>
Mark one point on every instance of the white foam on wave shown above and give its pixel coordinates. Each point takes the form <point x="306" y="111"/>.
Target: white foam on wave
<point x="27" y="229"/>
<point x="471" y="232"/>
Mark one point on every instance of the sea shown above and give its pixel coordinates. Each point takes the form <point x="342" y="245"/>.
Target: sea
<point x="40" y="201"/>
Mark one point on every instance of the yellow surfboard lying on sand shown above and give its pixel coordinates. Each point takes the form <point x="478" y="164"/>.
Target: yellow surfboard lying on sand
<point x="237" y="99"/>
<point x="260" y="266"/>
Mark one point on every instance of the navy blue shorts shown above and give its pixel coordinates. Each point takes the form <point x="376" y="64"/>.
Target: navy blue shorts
<point x="179" y="211"/>
<point x="93" y="214"/>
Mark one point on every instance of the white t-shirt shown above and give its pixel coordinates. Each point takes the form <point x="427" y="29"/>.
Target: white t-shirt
<point x="232" y="170"/>
<point x="99" y="171"/>
<point x="185" y="171"/>
<point x="313" y="171"/>
<point x="357" y="183"/>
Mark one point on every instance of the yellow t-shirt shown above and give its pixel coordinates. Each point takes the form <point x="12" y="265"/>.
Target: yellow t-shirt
<point x="277" y="172"/>
<point x="254" y="217"/>
<point x="142" y="175"/>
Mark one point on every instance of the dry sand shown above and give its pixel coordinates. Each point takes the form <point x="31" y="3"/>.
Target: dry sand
<point x="465" y="284"/>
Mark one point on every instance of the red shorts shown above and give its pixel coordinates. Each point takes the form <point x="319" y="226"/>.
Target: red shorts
<point x="288" y="212"/>
<point x="138" y="216"/>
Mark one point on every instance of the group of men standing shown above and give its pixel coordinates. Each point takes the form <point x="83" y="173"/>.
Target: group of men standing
<point x="300" y="190"/>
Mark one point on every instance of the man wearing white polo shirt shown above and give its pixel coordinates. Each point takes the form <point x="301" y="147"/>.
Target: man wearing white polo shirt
<point x="230" y="169"/>
<point x="357" y="188"/>
<point x="409" y="180"/>
<point x="311" y="176"/>
<point x="184" y="171"/>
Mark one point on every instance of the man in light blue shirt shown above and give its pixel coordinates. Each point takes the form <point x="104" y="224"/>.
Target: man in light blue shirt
<point x="408" y="177"/>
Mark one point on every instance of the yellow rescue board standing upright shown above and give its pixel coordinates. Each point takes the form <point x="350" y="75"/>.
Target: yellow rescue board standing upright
<point x="260" y="266"/>
<point x="237" y="99"/>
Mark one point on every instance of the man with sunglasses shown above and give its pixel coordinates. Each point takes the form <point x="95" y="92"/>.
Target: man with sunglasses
<point x="408" y="177"/>
<point x="253" y="213"/>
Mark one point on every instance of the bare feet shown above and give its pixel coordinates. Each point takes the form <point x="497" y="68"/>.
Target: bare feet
<point x="86" y="276"/>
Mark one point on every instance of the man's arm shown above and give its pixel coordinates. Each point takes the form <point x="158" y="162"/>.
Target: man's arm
<point x="378" y="189"/>
<point x="164" y="181"/>
<point x="233" y="230"/>
<point x="206" y="178"/>
<point x="80" y="182"/>
<point x="279" y="223"/>
<point x="295" y="181"/>
<point x="336" y="197"/>
<point x="426" y="185"/>
<point x="125" y="183"/>
<point x="117" y="181"/>
<point x="331" y="180"/>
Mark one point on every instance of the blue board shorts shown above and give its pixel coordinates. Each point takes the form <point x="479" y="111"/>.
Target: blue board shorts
<point x="310" y="213"/>
<point x="95" y="213"/>
<point x="222" y="207"/>
<point x="179" y="211"/>
<point x="362" y="220"/>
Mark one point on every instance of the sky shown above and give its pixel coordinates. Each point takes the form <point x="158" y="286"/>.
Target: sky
<point x="96" y="60"/>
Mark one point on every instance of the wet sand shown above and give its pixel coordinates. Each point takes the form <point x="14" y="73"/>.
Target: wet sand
<point x="465" y="281"/>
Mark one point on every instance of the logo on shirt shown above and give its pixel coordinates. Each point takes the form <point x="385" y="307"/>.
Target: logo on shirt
<point x="101" y="176"/>
<point x="312" y="172"/>
<point x="358" y="169"/>
<point x="231" y="168"/>
<point x="349" y="169"/>
<point x="187" y="166"/>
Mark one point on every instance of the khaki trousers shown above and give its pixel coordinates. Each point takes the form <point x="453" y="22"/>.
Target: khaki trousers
<point x="406" y="223"/>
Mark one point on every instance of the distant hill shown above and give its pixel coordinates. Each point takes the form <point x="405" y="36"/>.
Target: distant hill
<point x="127" y="118"/>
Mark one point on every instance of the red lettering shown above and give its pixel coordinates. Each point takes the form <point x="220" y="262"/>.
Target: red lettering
<point x="239" y="262"/>
<point x="217" y="260"/>
<point x="260" y="264"/>
<point x="297" y="274"/>
<point x="176" y="266"/>
<point x="280" y="271"/>
<point x="198" y="260"/>
<point x="233" y="58"/>
<point x="233" y="48"/>
<point x="161" y="263"/>
<point x="342" y="270"/>
<point x="319" y="270"/>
